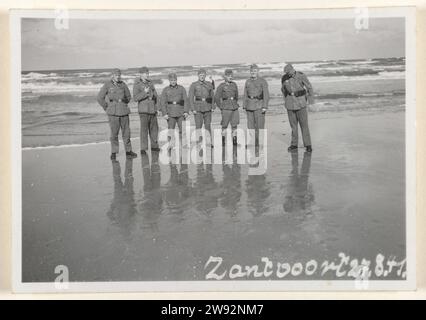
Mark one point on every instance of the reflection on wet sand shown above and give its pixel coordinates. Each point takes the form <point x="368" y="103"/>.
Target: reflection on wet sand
<point x="177" y="191"/>
<point x="206" y="190"/>
<point x="151" y="200"/>
<point x="258" y="190"/>
<point x="231" y="185"/>
<point x="123" y="208"/>
<point x="299" y="193"/>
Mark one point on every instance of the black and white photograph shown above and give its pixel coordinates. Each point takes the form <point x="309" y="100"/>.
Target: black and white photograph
<point x="213" y="150"/>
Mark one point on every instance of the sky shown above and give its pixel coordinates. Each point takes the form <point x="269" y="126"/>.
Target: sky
<point x="93" y="44"/>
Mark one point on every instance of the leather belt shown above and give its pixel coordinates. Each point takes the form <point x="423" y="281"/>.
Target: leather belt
<point x="255" y="97"/>
<point x="208" y="100"/>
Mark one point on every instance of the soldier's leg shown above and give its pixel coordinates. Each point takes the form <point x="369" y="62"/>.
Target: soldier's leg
<point x="153" y="131"/>
<point x="114" y="124"/>
<point x="292" y="119"/>
<point x="171" y="125"/>
<point x="226" y="118"/>
<point x="235" y="120"/>
<point x="198" y="119"/>
<point x="125" y="131"/>
<point x="179" y="123"/>
<point x="143" y="131"/>
<point x="258" y="124"/>
<point x="208" y="124"/>
<point x="250" y="127"/>
<point x="303" y="121"/>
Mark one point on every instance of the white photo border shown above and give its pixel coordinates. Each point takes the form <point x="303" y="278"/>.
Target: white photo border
<point x="409" y="13"/>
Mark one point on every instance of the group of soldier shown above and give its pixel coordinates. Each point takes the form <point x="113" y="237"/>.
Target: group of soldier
<point x="175" y="105"/>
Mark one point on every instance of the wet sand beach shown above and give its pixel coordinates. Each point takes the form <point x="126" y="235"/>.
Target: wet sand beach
<point x="143" y="220"/>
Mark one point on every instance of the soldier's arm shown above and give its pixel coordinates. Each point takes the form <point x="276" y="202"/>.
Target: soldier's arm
<point x="127" y="94"/>
<point x="245" y="96"/>
<point x="236" y="92"/>
<point x="283" y="86"/>
<point x="309" y="88"/>
<point x="138" y="93"/>
<point x="163" y="101"/>
<point x="185" y="100"/>
<point x="155" y="98"/>
<point x="218" y="97"/>
<point x="212" y="96"/>
<point x="101" y="96"/>
<point x="265" y="94"/>
<point x="191" y="97"/>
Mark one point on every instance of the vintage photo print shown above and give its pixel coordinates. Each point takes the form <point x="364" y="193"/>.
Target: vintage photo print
<point x="264" y="150"/>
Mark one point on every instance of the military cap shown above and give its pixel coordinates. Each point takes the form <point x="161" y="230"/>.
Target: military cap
<point x="288" y="68"/>
<point x="254" y="66"/>
<point x="172" y="76"/>
<point x="116" y="71"/>
<point x="202" y="71"/>
<point x="228" y="72"/>
<point x="143" y="70"/>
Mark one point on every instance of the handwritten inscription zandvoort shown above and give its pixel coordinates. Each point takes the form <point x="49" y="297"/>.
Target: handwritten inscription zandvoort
<point x="346" y="267"/>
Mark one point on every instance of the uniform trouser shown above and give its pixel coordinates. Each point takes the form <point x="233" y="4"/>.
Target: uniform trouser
<point x="256" y="121"/>
<point x="230" y="116"/>
<point x="203" y="117"/>
<point x="115" y="123"/>
<point x="149" y="126"/>
<point x="171" y="123"/>
<point x="299" y="117"/>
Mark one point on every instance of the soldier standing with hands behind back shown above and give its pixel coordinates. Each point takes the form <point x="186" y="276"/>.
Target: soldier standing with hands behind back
<point x="145" y="95"/>
<point x="113" y="98"/>
<point x="298" y="93"/>
<point x="256" y="98"/>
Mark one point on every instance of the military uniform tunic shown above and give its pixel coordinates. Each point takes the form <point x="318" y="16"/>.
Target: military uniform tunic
<point x="256" y="98"/>
<point x="145" y="95"/>
<point x="200" y="98"/>
<point x="114" y="97"/>
<point x="174" y="103"/>
<point x="226" y="99"/>
<point x="294" y="86"/>
<point x="298" y="93"/>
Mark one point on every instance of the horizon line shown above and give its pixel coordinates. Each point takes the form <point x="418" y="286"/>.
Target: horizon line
<point x="207" y="64"/>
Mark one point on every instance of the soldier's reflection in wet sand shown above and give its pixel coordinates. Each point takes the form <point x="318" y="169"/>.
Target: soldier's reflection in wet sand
<point x="206" y="189"/>
<point x="151" y="200"/>
<point x="299" y="192"/>
<point x="258" y="190"/>
<point x="177" y="191"/>
<point x="123" y="207"/>
<point x="231" y="185"/>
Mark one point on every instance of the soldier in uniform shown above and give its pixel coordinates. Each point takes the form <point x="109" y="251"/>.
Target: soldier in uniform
<point x="145" y="95"/>
<point x="298" y="93"/>
<point x="256" y="98"/>
<point x="174" y="104"/>
<point x="200" y="97"/>
<point x="226" y="99"/>
<point x="114" y="97"/>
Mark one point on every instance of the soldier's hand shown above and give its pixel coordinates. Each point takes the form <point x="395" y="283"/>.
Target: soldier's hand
<point x="263" y="110"/>
<point x="194" y="112"/>
<point x="185" y="115"/>
<point x="158" y="113"/>
<point x="166" y="117"/>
